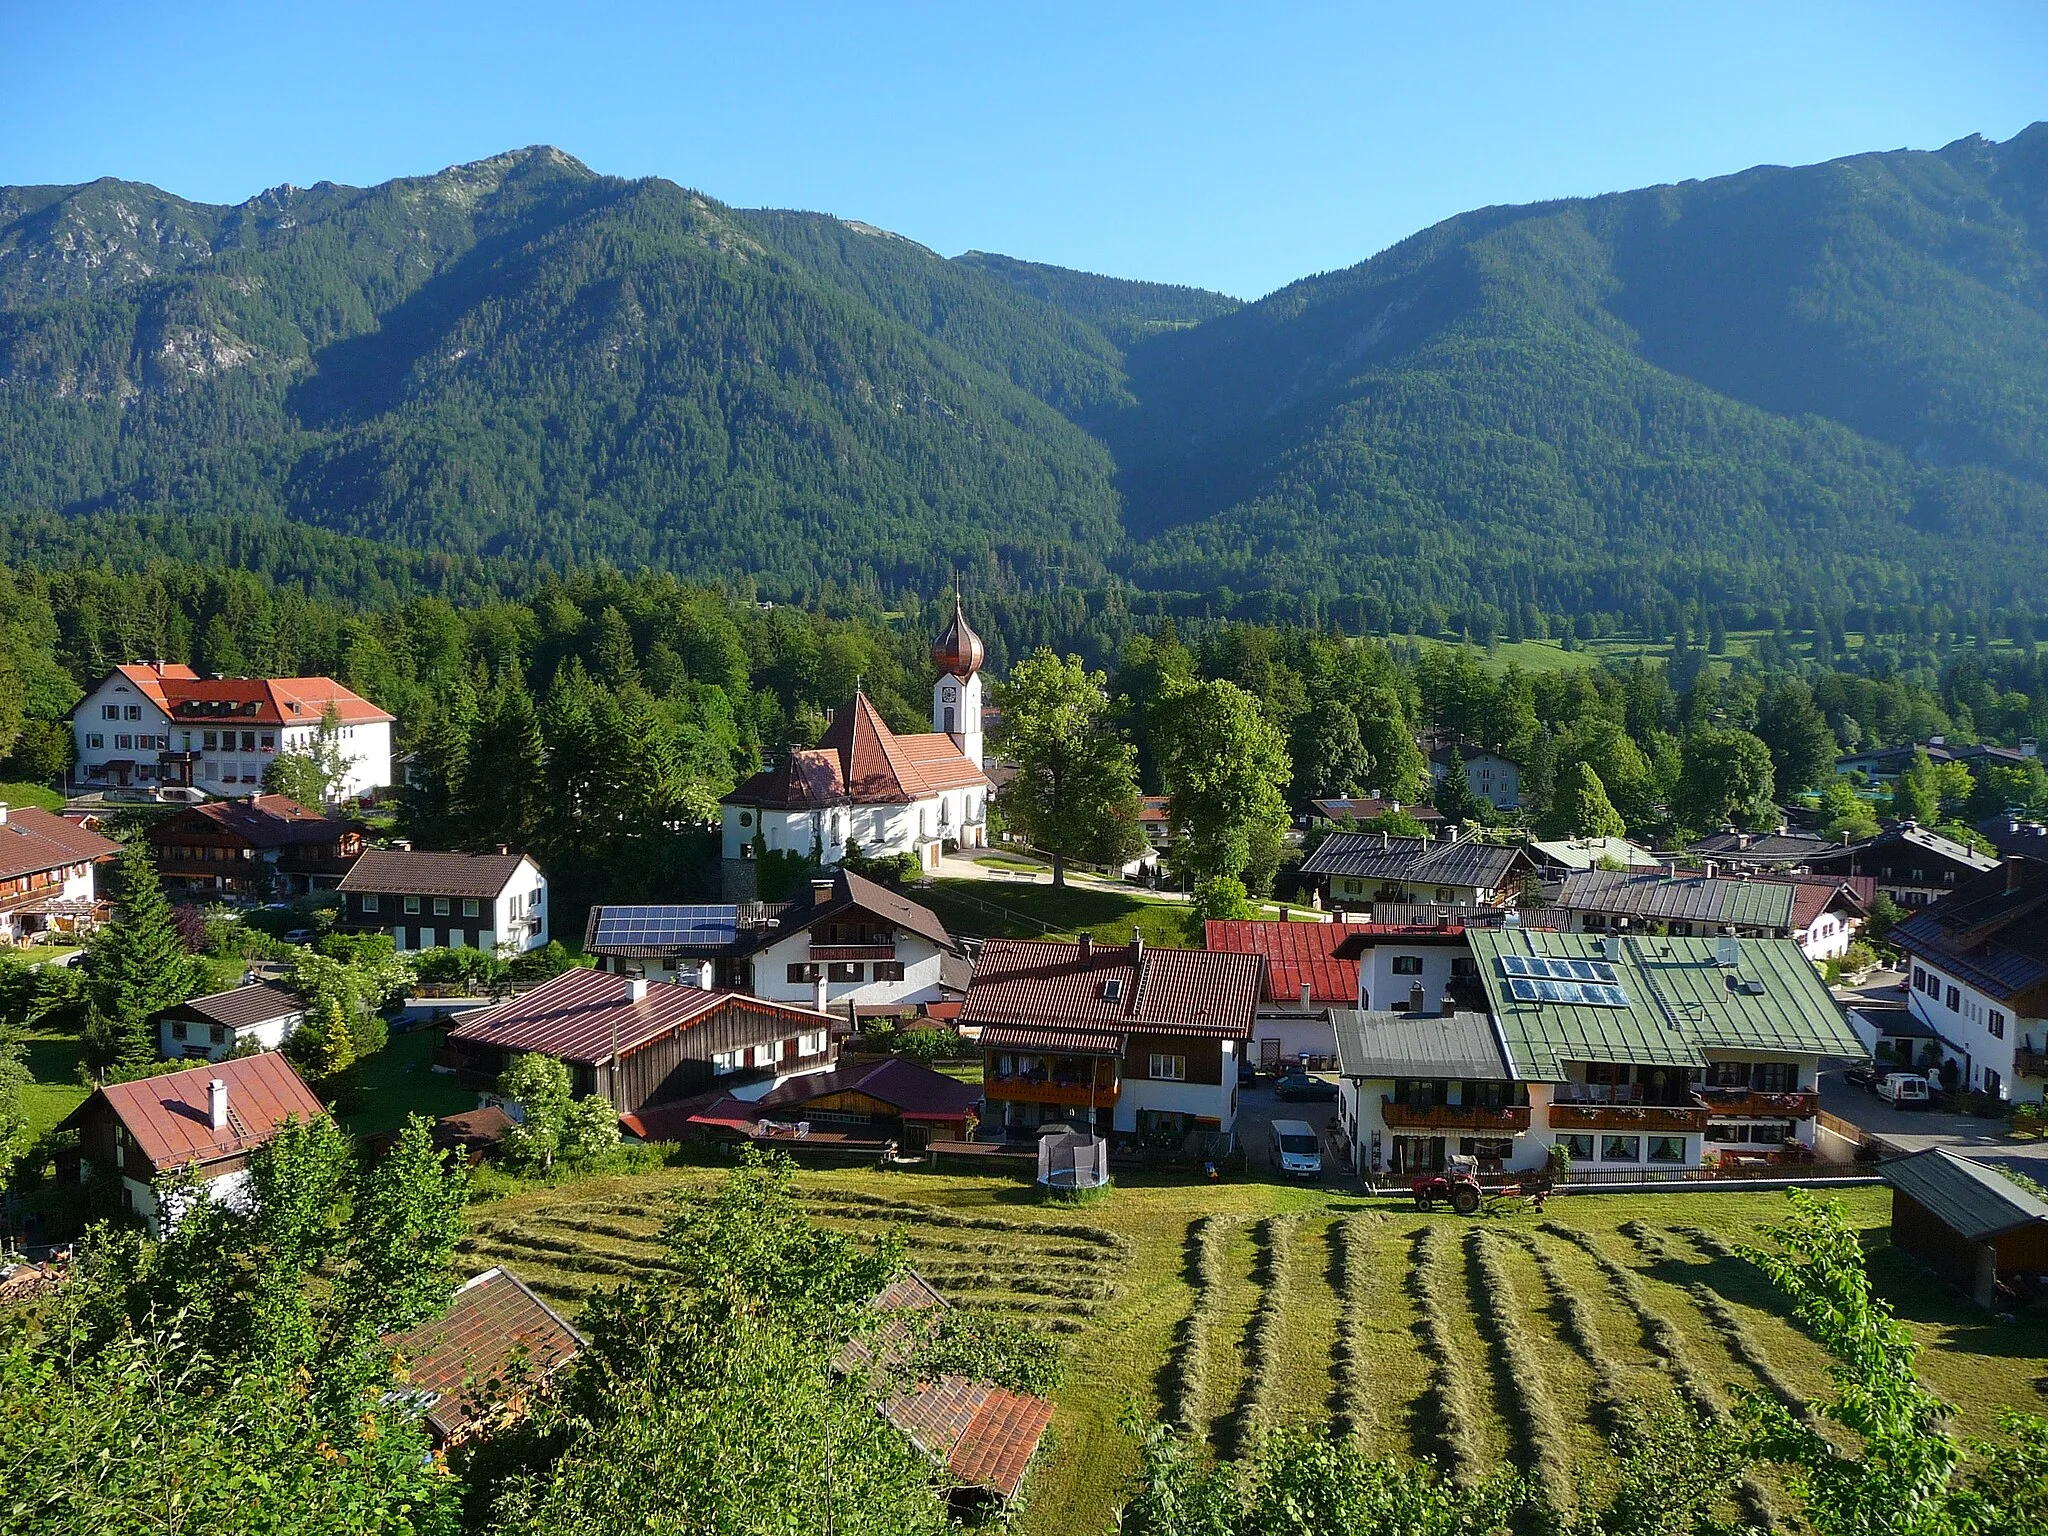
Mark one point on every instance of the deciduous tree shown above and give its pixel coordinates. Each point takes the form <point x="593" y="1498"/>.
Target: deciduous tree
<point x="1075" y="792"/>
<point x="1226" y="768"/>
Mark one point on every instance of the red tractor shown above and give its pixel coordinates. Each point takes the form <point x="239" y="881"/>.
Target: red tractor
<point x="1457" y="1185"/>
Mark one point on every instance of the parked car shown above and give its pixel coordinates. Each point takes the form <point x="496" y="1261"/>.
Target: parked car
<point x="301" y="936"/>
<point x="1299" y="1086"/>
<point x="1905" y="1090"/>
<point x="1865" y="1075"/>
<point x="1247" y="1072"/>
<point x="1296" y="1151"/>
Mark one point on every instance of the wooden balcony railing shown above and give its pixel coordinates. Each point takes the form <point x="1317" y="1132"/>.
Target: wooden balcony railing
<point x="1627" y="1117"/>
<point x="1453" y="1117"/>
<point x="2030" y="1063"/>
<point x="1803" y="1105"/>
<point x="1044" y="1091"/>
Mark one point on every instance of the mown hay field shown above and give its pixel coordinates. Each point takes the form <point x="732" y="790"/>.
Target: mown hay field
<point x="1529" y="1340"/>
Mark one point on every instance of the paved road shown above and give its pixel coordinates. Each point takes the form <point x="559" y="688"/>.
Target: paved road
<point x="1915" y="1129"/>
<point x="1258" y="1108"/>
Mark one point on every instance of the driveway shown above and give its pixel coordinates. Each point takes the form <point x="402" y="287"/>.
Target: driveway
<point x="1912" y="1130"/>
<point x="1258" y="1108"/>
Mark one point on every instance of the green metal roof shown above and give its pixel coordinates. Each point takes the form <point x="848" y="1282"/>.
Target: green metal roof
<point x="1681" y="1002"/>
<point x="1974" y="1201"/>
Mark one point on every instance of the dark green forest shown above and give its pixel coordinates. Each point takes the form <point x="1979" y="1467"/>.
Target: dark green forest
<point x="1821" y="387"/>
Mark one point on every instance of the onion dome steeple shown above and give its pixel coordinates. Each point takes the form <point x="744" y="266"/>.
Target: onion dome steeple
<point x="959" y="651"/>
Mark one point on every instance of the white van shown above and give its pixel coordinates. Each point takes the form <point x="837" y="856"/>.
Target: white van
<point x="1904" y="1090"/>
<point x="1297" y="1150"/>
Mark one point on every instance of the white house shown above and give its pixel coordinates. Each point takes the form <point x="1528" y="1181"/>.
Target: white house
<point x="203" y="1121"/>
<point x="865" y="784"/>
<point x="216" y="1026"/>
<point x="1979" y="979"/>
<point x="160" y="724"/>
<point x="46" y="873"/>
<point x="847" y="940"/>
<point x="495" y="902"/>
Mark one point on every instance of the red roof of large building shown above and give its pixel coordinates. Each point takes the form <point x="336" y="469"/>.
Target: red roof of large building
<point x="1296" y="955"/>
<point x="170" y="1120"/>
<point x="1115" y="986"/>
<point x="583" y="1015"/>
<point x="184" y="695"/>
<point x="860" y="760"/>
<point x="262" y="821"/>
<point x="33" y="840"/>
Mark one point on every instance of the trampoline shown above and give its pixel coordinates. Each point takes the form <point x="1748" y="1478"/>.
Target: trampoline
<point x="1071" y="1160"/>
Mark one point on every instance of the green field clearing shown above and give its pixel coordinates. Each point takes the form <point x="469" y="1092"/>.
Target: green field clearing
<point x="1116" y="1280"/>
<point x="54" y="1088"/>
<point x="399" y="1081"/>
<point x="999" y="910"/>
<point x="41" y="796"/>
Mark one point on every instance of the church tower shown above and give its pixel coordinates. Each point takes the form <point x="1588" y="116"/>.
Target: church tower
<point x="956" y="697"/>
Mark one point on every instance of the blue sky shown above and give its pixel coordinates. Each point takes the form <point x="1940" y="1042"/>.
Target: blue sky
<point x="1235" y="147"/>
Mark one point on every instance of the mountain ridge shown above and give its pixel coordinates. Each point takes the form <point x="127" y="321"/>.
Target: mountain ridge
<point x="1825" y="381"/>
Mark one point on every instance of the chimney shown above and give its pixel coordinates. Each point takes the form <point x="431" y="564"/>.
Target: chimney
<point x="504" y="850"/>
<point x="217" y="1104"/>
<point x="2012" y="872"/>
<point x="1416" y="998"/>
<point x="1451" y="832"/>
<point x="3" y="813"/>
<point x="1710" y="869"/>
<point x="1307" y="994"/>
<point x="822" y="887"/>
<point x="636" y="989"/>
<point x="1386" y="840"/>
<point x="1137" y="949"/>
<point x="1087" y="947"/>
<point x="1447" y="1005"/>
<point x="818" y="991"/>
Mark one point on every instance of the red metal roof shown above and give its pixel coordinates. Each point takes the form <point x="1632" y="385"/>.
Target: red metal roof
<point x="495" y="1337"/>
<point x="861" y="760"/>
<point x="1295" y="954"/>
<point x="1157" y="991"/>
<point x="577" y="1015"/>
<point x="33" y="840"/>
<point x="170" y="1117"/>
<point x="262" y="821"/>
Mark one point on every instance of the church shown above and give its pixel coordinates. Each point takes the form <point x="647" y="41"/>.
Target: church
<point x="864" y="783"/>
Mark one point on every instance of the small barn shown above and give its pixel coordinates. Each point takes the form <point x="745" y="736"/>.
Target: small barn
<point x="1970" y="1223"/>
<point x="857" y="1103"/>
<point x="476" y="1364"/>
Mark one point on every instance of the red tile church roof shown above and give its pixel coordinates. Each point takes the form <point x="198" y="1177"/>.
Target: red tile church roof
<point x="863" y="762"/>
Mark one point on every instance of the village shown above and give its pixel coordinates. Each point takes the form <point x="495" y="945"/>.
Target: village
<point x="1447" y="1021"/>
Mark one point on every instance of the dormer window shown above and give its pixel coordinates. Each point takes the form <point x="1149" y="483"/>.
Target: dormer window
<point x="1113" y="990"/>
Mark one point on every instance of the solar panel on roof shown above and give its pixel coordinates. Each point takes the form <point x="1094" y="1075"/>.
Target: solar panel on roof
<point x="655" y="926"/>
<point x="1541" y="967"/>
<point x="1548" y="989"/>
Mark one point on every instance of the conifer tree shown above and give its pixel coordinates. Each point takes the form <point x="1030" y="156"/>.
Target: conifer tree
<point x="1454" y="797"/>
<point x="135" y="966"/>
<point x="1581" y="807"/>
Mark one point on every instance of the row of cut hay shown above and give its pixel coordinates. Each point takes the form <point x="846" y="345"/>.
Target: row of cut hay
<point x="848" y="1202"/>
<point x="1668" y="1343"/>
<point x="1543" y="1427"/>
<point x="1255" y="1411"/>
<point x="1208" y="1240"/>
<point x="1708" y="1242"/>
<point x="1648" y="1243"/>
<point x="520" y="1259"/>
<point x="1614" y="1407"/>
<point x="1743" y="1345"/>
<point x="1453" y="1410"/>
<point x="1354" y="1242"/>
<point x="1022" y="1281"/>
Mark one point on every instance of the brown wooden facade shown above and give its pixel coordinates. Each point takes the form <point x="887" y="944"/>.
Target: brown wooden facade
<point x="1976" y="1267"/>
<point x="1203" y="1055"/>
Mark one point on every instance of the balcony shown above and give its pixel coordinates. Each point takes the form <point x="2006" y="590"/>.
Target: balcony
<point x="2030" y="1063"/>
<point x="1453" y="1117"/>
<point x="1628" y="1117"/>
<point x="1803" y="1105"/>
<point x="1024" y="1090"/>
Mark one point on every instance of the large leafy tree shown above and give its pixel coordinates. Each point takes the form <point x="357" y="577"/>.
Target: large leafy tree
<point x="1226" y="768"/>
<point x="1579" y="806"/>
<point x="1724" y="776"/>
<point x="1075" y="793"/>
<point x="1801" y="741"/>
<point x="135" y="966"/>
<point x="1329" y="753"/>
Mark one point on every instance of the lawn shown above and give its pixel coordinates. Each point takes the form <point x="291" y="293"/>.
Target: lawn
<point x="38" y="795"/>
<point x="1608" y="1304"/>
<point x="399" y="1081"/>
<point x="993" y="909"/>
<point x="54" y="1088"/>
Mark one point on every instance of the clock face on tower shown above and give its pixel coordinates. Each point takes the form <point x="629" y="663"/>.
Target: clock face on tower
<point x="950" y="694"/>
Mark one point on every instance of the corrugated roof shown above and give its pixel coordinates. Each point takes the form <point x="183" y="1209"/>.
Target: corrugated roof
<point x="1679" y="897"/>
<point x="1365" y="807"/>
<point x="1295" y="953"/>
<point x="1416" y="860"/>
<point x="1086" y="1041"/>
<point x="1976" y="1201"/>
<point x="496" y="1338"/>
<point x="241" y="1007"/>
<point x="912" y="1089"/>
<point x="1587" y="852"/>
<point x="34" y="840"/>
<point x="170" y="1116"/>
<point x="1375" y="1043"/>
<point x="1680" y="1002"/>
<point x="1764" y="847"/>
<point x="416" y="872"/>
<point x="1166" y="991"/>
<point x="577" y="1015"/>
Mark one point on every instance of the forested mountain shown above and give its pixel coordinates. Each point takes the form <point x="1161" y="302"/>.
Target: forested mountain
<point x="1824" y="385"/>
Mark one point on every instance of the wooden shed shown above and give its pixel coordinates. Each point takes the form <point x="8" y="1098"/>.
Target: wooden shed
<point x="1973" y="1225"/>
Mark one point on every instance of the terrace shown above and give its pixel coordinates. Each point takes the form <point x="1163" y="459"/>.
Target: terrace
<point x="1452" y="1117"/>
